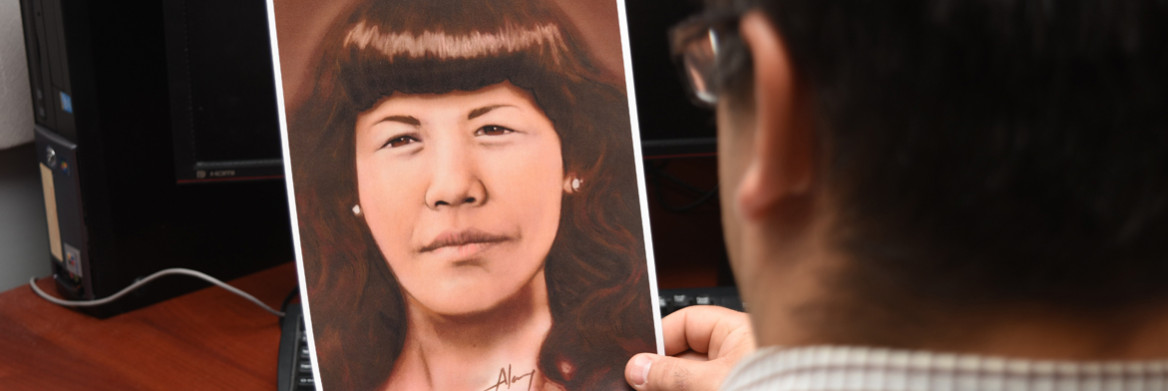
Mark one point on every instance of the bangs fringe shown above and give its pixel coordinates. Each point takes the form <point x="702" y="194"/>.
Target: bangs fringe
<point x="441" y="46"/>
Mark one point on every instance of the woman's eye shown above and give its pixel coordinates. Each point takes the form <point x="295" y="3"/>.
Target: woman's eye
<point x="399" y="141"/>
<point x="492" y="130"/>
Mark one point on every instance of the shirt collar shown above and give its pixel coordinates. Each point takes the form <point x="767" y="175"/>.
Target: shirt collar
<point x="876" y="369"/>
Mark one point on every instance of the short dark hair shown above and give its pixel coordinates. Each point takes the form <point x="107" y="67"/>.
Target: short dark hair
<point x="990" y="151"/>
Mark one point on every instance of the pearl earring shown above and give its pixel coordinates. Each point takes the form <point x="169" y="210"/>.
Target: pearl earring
<point x="357" y="210"/>
<point x="572" y="184"/>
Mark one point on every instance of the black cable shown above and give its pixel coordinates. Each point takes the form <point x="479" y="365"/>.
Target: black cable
<point x="691" y="206"/>
<point x="660" y="173"/>
<point x="295" y="293"/>
<point x="657" y="173"/>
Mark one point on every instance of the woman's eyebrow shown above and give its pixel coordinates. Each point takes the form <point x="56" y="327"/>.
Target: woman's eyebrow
<point x="479" y="112"/>
<point x="405" y="119"/>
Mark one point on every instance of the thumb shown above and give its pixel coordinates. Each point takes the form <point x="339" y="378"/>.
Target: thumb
<point x="651" y="372"/>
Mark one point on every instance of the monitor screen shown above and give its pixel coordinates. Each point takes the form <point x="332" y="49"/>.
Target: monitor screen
<point x="671" y="126"/>
<point x="222" y="91"/>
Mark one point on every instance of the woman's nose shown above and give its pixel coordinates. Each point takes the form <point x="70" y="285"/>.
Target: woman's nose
<point x="455" y="178"/>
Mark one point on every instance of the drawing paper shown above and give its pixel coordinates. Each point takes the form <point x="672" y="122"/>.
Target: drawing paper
<point x="467" y="192"/>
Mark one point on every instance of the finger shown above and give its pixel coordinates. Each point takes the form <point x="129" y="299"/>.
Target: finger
<point x="651" y="372"/>
<point x="706" y="329"/>
<point x="692" y="355"/>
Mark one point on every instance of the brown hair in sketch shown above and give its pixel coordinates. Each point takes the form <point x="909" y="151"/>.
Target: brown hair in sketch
<point x="464" y="172"/>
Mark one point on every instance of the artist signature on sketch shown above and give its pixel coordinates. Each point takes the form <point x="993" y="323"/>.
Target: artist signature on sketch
<point x="508" y="379"/>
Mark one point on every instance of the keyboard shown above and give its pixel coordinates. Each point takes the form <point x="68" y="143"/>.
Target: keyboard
<point x="295" y="363"/>
<point x="295" y="367"/>
<point x="671" y="300"/>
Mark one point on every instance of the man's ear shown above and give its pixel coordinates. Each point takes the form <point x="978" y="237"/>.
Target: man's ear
<point x="783" y="159"/>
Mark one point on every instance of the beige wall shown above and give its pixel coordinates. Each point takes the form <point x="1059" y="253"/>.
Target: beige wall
<point x="24" y="239"/>
<point x="15" y="102"/>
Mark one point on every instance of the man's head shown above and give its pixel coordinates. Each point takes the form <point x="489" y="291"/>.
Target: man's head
<point x="953" y="153"/>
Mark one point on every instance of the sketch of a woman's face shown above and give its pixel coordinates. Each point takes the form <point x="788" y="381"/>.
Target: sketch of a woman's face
<point x="462" y="193"/>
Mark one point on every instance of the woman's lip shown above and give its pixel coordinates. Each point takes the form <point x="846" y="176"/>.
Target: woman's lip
<point x="462" y="238"/>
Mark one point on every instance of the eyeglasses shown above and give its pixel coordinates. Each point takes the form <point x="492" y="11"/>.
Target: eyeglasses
<point x="707" y="51"/>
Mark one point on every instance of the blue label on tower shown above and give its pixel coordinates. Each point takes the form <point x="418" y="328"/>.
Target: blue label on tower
<point x="66" y="103"/>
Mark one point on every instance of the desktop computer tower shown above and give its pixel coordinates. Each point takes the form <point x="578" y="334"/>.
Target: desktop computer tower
<point x="158" y="143"/>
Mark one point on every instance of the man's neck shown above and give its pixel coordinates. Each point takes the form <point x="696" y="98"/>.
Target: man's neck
<point x="811" y="310"/>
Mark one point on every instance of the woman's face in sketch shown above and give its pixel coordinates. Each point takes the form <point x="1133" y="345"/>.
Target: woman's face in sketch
<point x="462" y="193"/>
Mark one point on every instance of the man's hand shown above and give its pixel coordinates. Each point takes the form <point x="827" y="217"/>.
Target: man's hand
<point x="703" y="344"/>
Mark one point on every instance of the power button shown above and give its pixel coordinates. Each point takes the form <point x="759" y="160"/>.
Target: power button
<point x="50" y="157"/>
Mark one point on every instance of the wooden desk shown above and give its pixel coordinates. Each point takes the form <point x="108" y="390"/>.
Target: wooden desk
<point x="206" y="340"/>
